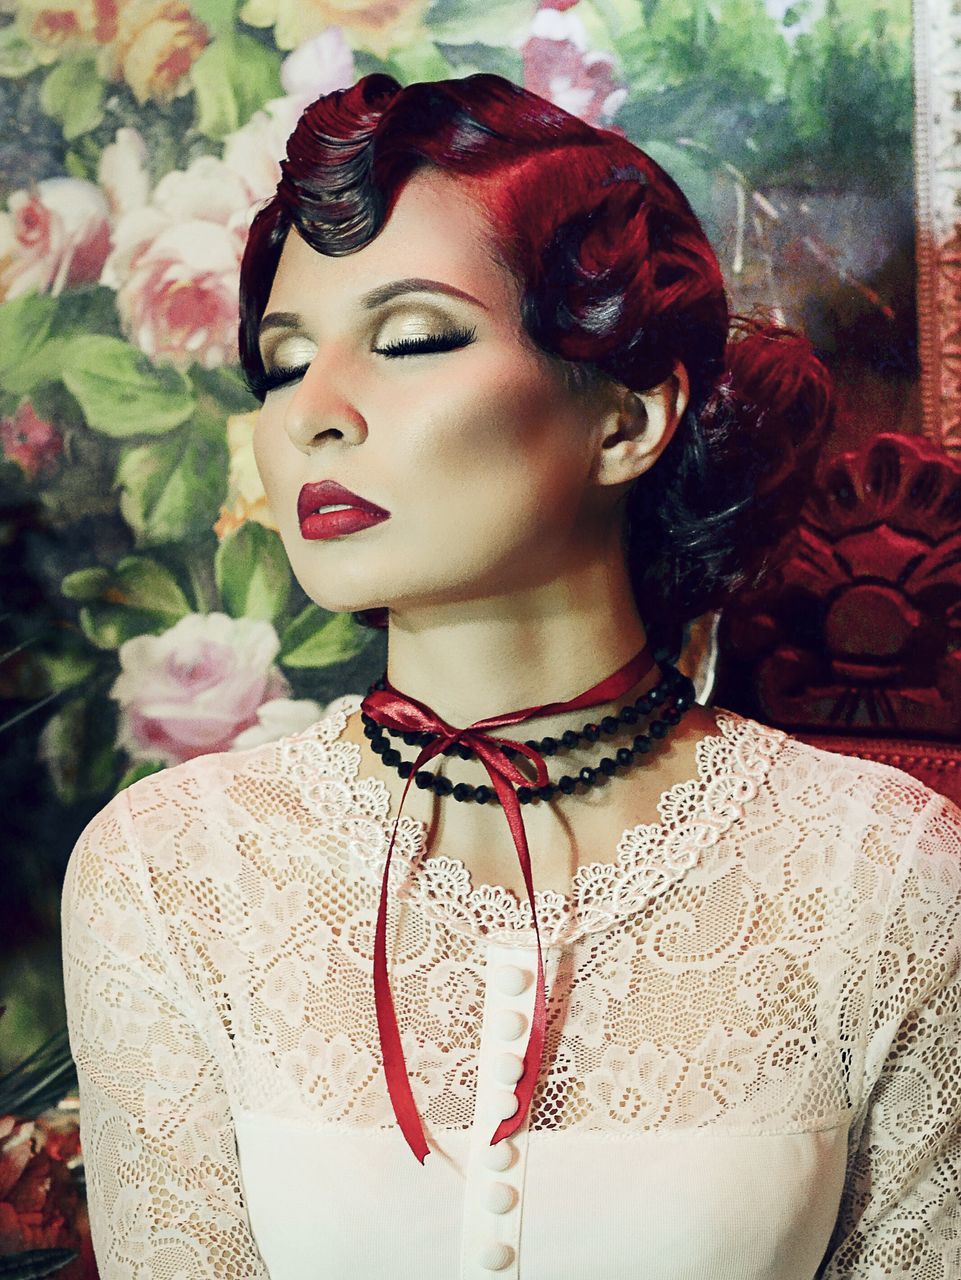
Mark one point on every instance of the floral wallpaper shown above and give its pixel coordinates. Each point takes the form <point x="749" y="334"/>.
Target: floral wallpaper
<point x="147" y="611"/>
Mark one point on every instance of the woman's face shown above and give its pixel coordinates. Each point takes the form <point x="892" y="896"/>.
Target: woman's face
<point x="403" y="374"/>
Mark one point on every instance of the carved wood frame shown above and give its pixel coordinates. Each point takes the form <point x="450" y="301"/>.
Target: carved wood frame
<point x="937" y="96"/>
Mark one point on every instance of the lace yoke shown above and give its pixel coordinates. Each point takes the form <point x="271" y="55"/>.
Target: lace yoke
<point x="776" y="958"/>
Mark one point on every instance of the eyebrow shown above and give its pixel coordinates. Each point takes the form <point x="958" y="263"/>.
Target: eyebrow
<point x="376" y="298"/>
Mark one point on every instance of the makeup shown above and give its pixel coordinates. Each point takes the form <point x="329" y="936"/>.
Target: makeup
<point x="328" y="510"/>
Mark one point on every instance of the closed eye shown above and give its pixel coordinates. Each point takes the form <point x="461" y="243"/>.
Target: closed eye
<point x="261" y="384"/>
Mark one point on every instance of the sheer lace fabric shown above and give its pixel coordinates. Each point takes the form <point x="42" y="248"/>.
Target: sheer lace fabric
<point x="778" y="955"/>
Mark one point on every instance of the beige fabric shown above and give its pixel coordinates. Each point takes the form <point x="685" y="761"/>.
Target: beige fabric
<point x="760" y="993"/>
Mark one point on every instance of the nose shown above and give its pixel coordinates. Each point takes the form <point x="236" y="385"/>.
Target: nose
<point x="321" y="410"/>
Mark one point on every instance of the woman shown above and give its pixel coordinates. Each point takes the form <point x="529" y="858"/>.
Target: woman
<point x="317" y="1037"/>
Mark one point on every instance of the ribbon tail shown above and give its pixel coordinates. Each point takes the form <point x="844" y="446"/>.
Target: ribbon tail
<point x="395" y="1068"/>
<point x="534" y="1055"/>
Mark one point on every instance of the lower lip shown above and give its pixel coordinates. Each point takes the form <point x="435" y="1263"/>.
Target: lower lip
<point x="337" y="524"/>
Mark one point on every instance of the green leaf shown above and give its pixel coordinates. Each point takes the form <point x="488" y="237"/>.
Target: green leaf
<point x="142" y="769"/>
<point x="108" y="626"/>
<point x="316" y="638"/>
<point x="25" y="325"/>
<point x="86" y="584"/>
<point x="77" y="745"/>
<point x="420" y="61"/>
<point x="120" y="392"/>
<point x="216" y="15"/>
<point x="226" y="387"/>
<point x="143" y="583"/>
<point x="17" y="56"/>
<point x="468" y="59"/>
<point x="72" y="94"/>
<point x="253" y="574"/>
<point x="233" y="78"/>
<point x="466" y="22"/>
<point x="67" y="669"/>
<point x="172" y="489"/>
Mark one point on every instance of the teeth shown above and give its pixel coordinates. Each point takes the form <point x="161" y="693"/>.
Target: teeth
<point x="343" y="506"/>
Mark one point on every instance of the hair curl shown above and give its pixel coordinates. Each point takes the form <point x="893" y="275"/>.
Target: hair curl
<point x="618" y="280"/>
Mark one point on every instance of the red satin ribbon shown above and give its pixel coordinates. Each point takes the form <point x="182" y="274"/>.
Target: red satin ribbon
<point x="395" y="710"/>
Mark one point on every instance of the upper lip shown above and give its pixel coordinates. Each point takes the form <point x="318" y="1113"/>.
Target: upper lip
<point x="328" y="493"/>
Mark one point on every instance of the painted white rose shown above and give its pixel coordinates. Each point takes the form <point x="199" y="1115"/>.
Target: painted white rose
<point x="255" y="151"/>
<point x="278" y="718"/>
<point x="175" y="266"/>
<point x="197" y="687"/>
<point x="53" y="236"/>
<point x="122" y="172"/>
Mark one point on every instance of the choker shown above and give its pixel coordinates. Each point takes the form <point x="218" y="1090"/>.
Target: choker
<point x="675" y="692"/>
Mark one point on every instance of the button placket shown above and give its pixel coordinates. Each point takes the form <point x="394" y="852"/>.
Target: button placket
<point x="495" y="1174"/>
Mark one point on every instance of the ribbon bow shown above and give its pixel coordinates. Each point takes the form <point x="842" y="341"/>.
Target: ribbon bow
<point x="395" y="710"/>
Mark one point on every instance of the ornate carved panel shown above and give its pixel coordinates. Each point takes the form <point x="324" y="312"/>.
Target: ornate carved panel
<point x="937" y="52"/>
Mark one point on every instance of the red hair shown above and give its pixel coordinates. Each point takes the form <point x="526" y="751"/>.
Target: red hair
<point x="617" y="279"/>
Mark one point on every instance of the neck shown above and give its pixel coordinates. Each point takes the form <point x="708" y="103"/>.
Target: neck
<point x="484" y="657"/>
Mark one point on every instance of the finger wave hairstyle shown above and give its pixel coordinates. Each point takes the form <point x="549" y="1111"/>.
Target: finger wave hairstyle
<point x="617" y="280"/>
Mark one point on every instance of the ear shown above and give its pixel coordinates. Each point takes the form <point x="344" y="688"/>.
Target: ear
<point x="639" y="426"/>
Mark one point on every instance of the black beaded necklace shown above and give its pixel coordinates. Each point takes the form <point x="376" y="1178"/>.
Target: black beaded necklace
<point x="675" y="692"/>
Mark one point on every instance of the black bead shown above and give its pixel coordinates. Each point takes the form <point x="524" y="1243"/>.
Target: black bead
<point x="642" y="744"/>
<point x="671" y="716"/>
<point x="567" y="784"/>
<point x="379" y="746"/>
<point x="463" y="791"/>
<point x="482" y="794"/>
<point x="371" y="730"/>
<point x="629" y="715"/>
<point x="624" y="756"/>
<point x="591" y="732"/>
<point x="533" y="744"/>
<point x="405" y="769"/>
<point x="391" y="757"/>
<point x="658" y="729"/>
<point x="465" y="752"/>
<point x="683" y="702"/>
<point x="443" y="786"/>
<point x="656" y="695"/>
<point x="587" y="776"/>
<point x="411" y="739"/>
<point x="548" y="746"/>
<point x="547" y="791"/>
<point x="570" y="738"/>
<point x="607" y="766"/>
<point x="450" y="750"/>
<point x="423" y="779"/>
<point x="644" y="704"/>
<point x="524" y="794"/>
<point x="609" y="724"/>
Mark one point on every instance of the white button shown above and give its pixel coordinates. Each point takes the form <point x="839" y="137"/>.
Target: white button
<point x="496" y="1256"/>
<point x="508" y="1024"/>
<point x="508" y="1068"/>
<point x="511" y="980"/>
<point x="500" y="1156"/>
<point x="503" y="1105"/>
<point x="500" y="1197"/>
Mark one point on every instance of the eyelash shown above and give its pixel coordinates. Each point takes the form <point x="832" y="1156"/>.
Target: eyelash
<point x="450" y="340"/>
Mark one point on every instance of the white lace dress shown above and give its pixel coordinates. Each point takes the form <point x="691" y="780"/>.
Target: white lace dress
<point x="751" y="1070"/>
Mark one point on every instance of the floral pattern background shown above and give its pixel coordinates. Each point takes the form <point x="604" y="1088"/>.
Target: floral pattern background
<point x="148" y="613"/>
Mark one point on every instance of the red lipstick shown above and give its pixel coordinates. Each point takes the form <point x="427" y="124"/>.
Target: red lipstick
<point x="351" y="512"/>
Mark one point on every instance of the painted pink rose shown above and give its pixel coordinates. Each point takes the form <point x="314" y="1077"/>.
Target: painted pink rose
<point x="175" y="265"/>
<point x="195" y="688"/>
<point x="53" y="236"/>
<point x="29" y="441"/>
<point x="559" y="67"/>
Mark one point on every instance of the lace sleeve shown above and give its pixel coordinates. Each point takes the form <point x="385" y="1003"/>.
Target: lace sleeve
<point x="901" y="1209"/>
<point x="159" y="1150"/>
